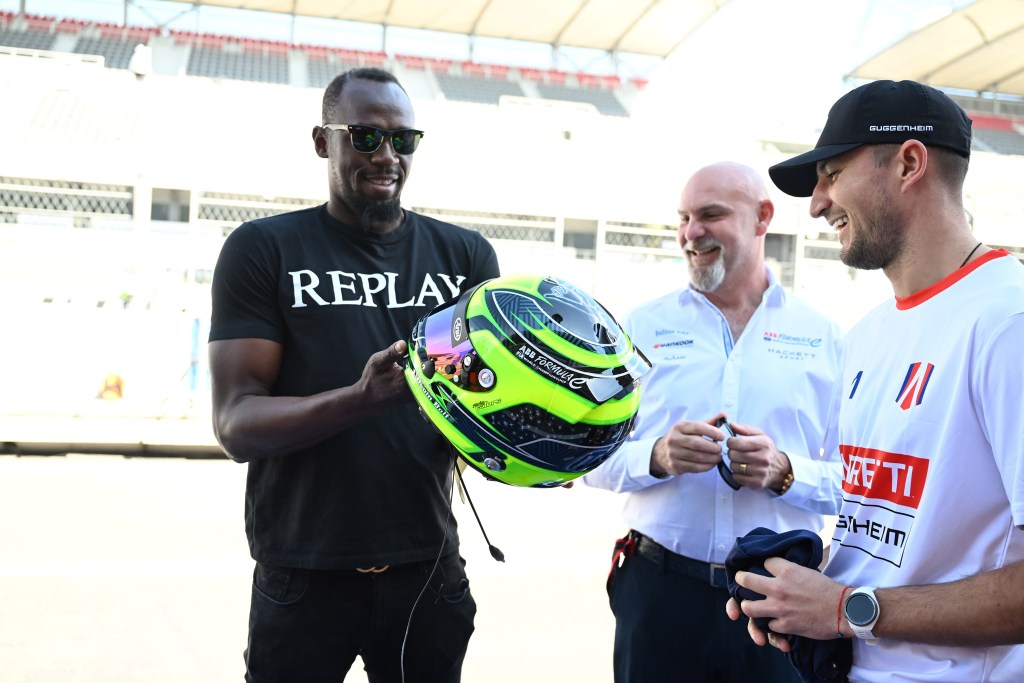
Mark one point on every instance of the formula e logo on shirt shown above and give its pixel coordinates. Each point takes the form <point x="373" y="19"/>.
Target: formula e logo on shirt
<point x="783" y="338"/>
<point x="912" y="392"/>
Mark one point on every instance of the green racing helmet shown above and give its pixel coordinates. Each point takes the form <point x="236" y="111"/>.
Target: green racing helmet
<point x="530" y="379"/>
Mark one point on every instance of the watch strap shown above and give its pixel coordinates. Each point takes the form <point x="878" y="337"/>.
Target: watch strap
<point x="863" y="631"/>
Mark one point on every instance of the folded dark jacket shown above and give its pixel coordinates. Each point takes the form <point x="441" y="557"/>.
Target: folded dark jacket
<point x="817" y="661"/>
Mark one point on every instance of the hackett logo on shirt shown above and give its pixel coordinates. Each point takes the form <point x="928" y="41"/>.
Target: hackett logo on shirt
<point x="368" y="289"/>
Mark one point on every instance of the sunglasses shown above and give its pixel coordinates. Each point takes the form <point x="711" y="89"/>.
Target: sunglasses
<point x="368" y="139"/>
<point x="723" y="465"/>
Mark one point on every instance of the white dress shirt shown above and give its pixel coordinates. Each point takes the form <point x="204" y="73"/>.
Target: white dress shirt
<point x="779" y="376"/>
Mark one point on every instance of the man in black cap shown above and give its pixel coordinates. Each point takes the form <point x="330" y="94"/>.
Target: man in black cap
<point x="927" y="559"/>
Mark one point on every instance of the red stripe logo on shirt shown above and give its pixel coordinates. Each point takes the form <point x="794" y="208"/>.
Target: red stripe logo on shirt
<point x="881" y="475"/>
<point x="912" y="392"/>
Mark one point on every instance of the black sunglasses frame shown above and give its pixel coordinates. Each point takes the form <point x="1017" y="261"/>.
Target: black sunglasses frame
<point x="402" y="136"/>
<point x="723" y="468"/>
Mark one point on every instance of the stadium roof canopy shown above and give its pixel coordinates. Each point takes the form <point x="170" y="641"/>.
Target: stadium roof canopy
<point x="979" y="47"/>
<point x="647" y="27"/>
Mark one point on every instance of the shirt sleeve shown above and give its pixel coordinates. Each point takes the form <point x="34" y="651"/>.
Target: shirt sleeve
<point x="244" y="289"/>
<point x="487" y="262"/>
<point x="817" y="483"/>
<point x="818" y="476"/>
<point x="999" y="376"/>
<point x="628" y="468"/>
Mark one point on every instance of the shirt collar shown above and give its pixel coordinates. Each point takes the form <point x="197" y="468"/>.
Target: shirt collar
<point x="774" y="295"/>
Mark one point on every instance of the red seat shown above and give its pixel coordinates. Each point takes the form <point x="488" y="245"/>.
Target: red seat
<point x="556" y="77"/>
<point x="412" y="61"/>
<point x="474" y="69"/>
<point x="992" y="122"/>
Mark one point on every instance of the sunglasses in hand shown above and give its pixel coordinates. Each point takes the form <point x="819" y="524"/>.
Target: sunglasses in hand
<point x="723" y="464"/>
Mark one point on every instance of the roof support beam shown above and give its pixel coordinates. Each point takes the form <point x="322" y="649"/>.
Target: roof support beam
<point x="684" y="36"/>
<point x="636" y="20"/>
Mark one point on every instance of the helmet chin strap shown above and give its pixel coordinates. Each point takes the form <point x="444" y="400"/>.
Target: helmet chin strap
<point x="459" y="466"/>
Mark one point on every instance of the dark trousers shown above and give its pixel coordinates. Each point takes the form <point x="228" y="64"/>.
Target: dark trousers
<point x="672" y="628"/>
<point x="307" y="625"/>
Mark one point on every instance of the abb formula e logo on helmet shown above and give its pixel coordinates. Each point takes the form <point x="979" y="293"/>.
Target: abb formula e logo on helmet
<point x="529" y="378"/>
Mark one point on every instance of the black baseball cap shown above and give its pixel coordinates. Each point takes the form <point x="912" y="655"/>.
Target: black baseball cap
<point x="878" y="113"/>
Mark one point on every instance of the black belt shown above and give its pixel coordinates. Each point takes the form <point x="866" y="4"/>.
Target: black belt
<point x="707" y="572"/>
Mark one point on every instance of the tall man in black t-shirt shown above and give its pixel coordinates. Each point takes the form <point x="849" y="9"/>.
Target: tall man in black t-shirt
<point x="347" y="504"/>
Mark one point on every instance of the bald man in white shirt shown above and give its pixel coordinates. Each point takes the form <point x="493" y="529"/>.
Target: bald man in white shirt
<point x="731" y="344"/>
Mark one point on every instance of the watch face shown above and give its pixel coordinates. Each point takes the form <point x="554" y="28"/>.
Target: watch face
<point x="860" y="609"/>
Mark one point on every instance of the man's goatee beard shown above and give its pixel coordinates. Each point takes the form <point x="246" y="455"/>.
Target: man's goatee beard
<point x="709" y="279"/>
<point x="382" y="214"/>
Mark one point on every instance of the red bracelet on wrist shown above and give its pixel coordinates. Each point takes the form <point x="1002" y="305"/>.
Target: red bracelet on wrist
<point x="839" y="612"/>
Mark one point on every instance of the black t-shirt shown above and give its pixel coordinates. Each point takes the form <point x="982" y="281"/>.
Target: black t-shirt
<point x="332" y="295"/>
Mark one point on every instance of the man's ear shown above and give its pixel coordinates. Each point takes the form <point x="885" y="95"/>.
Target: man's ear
<point x="765" y="213"/>
<point x="320" y="141"/>
<point x="913" y="162"/>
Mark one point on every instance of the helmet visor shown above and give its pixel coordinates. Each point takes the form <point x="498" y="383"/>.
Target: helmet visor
<point x="442" y="346"/>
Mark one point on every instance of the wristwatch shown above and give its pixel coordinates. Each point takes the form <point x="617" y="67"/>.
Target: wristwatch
<point x="861" y="610"/>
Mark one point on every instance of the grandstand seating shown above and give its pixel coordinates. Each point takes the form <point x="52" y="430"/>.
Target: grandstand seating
<point x="28" y="38"/>
<point x="997" y="134"/>
<point x="322" y="67"/>
<point x="243" y="65"/>
<point x="116" y="52"/>
<point x="599" y="81"/>
<point x="603" y="100"/>
<point x="476" y="89"/>
<point x="1001" y="141"/>
<point x="248" y="59"/>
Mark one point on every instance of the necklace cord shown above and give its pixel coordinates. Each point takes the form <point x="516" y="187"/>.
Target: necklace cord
<point x="970" y="255"/>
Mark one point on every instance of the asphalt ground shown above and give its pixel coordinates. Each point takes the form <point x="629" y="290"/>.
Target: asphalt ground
<point x="118" y="569"/>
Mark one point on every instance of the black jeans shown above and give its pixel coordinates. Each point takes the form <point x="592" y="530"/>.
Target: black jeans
<point x="308" y="625"/>
<point x="671" y="628"/>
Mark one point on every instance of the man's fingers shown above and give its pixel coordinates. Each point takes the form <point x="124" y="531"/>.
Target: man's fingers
<point x="754" y="581"/>
<point x="745" y="429"/>
<point x="777" y="565"/>
<point x="732" y="609"/>
<point x="392" y="355"/>
<point x="780" y="641"/>
<point x="756" y="634"/>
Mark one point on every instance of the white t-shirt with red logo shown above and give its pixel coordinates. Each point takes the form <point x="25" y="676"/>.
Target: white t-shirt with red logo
<point x="930" y="433"/>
